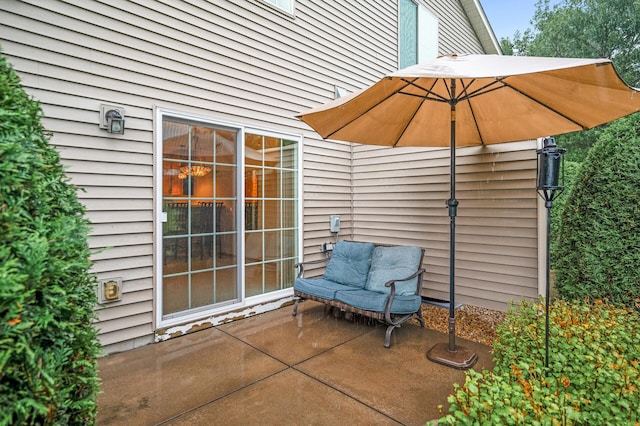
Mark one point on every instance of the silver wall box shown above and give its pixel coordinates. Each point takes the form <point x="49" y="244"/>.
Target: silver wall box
<point x="110" y="290"/>
<point x="112" y="119"/>
<point x="339" y="92"/>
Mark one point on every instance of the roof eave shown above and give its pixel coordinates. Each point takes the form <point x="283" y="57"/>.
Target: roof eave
<point x="481" y="26"/>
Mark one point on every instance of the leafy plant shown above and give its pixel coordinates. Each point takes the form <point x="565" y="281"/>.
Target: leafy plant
<point x="598" y="245"/>
<point x="48" y="345"/>
<point x="592" y="378"/>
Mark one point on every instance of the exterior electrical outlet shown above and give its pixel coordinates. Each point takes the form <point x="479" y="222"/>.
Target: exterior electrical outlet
<point x="327" y="247"/>
<point x="110" y="290"/>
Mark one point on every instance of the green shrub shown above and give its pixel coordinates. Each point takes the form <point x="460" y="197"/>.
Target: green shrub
<point x="599" y="240"/>
<point x="593" y="376"/>
<point x="571" y="171"/>
<point x="48" y="345"/>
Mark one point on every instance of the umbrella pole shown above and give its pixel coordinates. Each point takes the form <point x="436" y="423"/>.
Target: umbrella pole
<point x="450" y="355"/>
<point x="452" y="205"/>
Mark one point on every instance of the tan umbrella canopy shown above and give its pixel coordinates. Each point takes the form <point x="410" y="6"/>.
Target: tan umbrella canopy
<point x="497" y="99"/>
<point x="466" y="100"/>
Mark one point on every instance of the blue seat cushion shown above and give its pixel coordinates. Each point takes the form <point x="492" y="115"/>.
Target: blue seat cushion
<point x="375" y="301"/>
<point x="349" y="263"/>
<point x="320" y="287"/>
<point x="392" y="263"/>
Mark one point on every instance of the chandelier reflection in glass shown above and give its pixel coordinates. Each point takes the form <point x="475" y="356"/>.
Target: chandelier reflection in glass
<point x="194" y="170"/>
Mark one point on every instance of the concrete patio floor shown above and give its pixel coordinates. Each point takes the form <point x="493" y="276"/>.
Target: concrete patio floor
<point x="273" y="368"/>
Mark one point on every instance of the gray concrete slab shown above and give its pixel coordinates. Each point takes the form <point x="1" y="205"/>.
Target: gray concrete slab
<point x="290" y="339"/>
<point x="287" y="398"/>
<point x="153" y="383"/>
<point x="399" y="381"/>
<point x="278" y="369"/>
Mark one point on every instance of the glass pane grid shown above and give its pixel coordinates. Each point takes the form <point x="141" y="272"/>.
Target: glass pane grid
<point x="198" y="160"/>
<point x="270" y="203"/>
<point x="199" y="198"/>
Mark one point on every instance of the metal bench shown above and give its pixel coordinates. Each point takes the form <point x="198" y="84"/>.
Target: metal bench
<point x="381" y="282"/>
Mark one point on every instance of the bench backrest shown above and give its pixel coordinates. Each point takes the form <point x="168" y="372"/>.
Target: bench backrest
<point x="394" y="263"/>
<point x="350" y="263"/>
<point x="370" y="266"/>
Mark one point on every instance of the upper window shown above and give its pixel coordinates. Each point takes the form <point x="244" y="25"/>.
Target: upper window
<point x="417" y="34"/>
<point x="407" y="33"/>
<point x="286" y="5"/>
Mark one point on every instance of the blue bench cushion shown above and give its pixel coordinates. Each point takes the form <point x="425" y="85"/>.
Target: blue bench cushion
<point x="374" y="301"/>
<point x="392" y="263"/>
<point x="320" y="287"/>
<point x="349" y="263"/>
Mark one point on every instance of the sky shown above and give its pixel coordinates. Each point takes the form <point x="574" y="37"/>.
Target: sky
<point x="507" y="16"/>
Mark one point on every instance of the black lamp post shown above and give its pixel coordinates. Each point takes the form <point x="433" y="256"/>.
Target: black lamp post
<point x="550" y="183"/>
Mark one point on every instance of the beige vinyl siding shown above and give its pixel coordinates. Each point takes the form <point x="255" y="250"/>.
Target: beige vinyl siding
<point x="73" y="57"/>
<point x="345" y="39"/>
<point x="327" y="191"/>
<point x="399" y="197"/>
<point x="237" y="61"/>
<point x="326" y="177"/>
<point x="455" y="32"/>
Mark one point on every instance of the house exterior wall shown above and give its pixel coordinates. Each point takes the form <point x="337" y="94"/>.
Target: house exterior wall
<point x="239" y="61"/>
<point x="456" y="33"/>
<point x="399" y="198"/>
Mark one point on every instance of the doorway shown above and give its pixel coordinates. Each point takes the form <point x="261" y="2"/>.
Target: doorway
<point x="230" y="227"/>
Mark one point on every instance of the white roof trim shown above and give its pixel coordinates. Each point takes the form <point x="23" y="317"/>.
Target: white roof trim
<point x="481" y="25"/>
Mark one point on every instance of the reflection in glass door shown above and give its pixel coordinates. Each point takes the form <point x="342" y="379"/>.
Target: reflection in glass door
<point x="199" y="202"/>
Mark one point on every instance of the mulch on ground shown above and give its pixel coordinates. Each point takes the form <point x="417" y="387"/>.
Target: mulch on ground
<point x="472" y="322"/>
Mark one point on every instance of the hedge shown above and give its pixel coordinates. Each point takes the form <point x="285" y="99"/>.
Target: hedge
<point x="571" y="170"/>
<point x="598" y="244"/>
<point x="48" y="344"/>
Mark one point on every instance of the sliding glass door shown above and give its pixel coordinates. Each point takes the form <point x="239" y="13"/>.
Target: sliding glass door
<point x="271" y="230"/>
<point x="199" y="198"/>
<point x="225" y="191"/>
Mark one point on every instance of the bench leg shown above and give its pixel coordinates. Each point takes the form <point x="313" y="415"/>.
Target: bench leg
<point x="295" y="307"/>
<point x="420" y="319"/>
<point x="387" y="337"/>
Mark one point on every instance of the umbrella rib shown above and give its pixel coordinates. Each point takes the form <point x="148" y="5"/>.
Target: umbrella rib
<point x="555" y="111"/>
<point x="429" y="92"/>
<point x="487" y="88"/>
<point x="473" y="114"/>
<point x="434" y="96"/>
<point x="367" y="110"/>
<point x="406" y="126"/>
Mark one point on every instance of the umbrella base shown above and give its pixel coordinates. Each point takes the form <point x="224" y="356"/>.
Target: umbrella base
<point x="461" y="358"/>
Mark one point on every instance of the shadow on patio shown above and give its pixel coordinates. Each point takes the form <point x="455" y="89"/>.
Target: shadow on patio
<point x="274" y="368"/>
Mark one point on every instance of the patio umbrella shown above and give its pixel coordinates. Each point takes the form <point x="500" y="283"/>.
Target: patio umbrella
<point x="466" y="100"/>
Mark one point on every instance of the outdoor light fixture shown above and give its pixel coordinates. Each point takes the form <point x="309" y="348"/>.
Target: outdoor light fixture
<point x="115" y="122"/>
<point x="550" y="183"/>
<point x="112" y="119"/>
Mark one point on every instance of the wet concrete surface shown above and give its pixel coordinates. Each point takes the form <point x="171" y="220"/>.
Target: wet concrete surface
<point x="274" y="368"/>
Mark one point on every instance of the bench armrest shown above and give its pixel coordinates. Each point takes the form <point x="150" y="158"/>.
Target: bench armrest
<point x="301" y="265"/>
<point x="392" y="283"/>
<point x="418" y="273"/>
